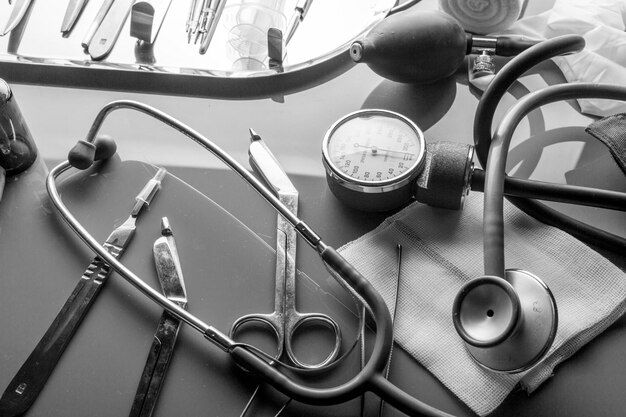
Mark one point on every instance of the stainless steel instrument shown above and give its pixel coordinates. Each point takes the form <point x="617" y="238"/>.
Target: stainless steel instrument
<point x="146" y="18"/>
<point x="299" y="13"/>
<point x="170" y="276"/>
<point x="285" y="319"/>
<point x="108" y="25"/>
<point x="23" y="390"/>
<point x="72" y="13"/>
<point x="17" y="13"/>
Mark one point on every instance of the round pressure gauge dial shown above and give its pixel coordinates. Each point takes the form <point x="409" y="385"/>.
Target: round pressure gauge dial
<point x="372" y="157"/>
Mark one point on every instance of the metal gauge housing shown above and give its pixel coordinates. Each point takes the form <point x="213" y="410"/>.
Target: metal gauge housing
<point x="372" y="157"/>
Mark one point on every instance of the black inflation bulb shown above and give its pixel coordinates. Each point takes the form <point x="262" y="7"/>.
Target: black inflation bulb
<point x="413" y="46"/>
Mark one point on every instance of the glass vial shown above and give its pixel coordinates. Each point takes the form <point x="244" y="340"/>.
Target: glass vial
<point x="17" y="147"/>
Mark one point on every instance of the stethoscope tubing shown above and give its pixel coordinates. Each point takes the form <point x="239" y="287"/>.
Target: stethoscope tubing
<point x="549" y="191"/>
<point x="483" y="121"/>
<point x="493" y="221"/>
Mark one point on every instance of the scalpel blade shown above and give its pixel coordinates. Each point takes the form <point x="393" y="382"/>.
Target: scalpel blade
<point x="171" y="278"/>
<point x="32" y="376"/>
<point x="18" y="12"/>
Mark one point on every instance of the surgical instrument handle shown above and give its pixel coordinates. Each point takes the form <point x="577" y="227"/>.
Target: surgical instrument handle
<point x="262" y="159"/>
<point x="102" y="12"/>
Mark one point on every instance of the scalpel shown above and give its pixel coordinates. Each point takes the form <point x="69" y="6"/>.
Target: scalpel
<point x="171" y="278"/>
<point x="32" y="376"/>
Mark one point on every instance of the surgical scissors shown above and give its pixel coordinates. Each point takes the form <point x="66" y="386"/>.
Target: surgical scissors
<point x="285" y="320"/>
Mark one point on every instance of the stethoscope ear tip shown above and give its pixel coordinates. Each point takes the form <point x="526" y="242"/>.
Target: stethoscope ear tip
<point x="84" y="153"/>
<point x="105" y="147"/>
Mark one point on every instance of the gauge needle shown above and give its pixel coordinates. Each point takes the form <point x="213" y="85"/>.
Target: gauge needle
<point x="376" y="149"/>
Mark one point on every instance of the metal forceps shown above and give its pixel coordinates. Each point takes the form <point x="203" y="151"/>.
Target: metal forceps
<point x="285" y="320"/>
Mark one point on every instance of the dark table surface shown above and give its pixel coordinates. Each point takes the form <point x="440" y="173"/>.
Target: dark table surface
<point x="97" y="376"/>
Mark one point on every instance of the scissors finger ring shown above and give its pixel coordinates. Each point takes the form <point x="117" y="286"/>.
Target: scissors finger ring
<point x="294" y="321"/>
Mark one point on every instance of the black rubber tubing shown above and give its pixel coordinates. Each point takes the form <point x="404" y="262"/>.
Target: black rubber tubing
<point x="482" y="138"/>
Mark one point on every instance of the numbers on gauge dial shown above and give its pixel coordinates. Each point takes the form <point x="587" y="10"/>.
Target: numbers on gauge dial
<point x="374" y="148"/>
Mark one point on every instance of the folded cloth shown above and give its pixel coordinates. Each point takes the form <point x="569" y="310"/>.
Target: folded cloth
<point x="602" y="24"/>
<point x="483" y="16"/>
<point x="442" y="250"/>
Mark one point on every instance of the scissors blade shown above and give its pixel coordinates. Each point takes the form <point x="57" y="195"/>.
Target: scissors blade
<point x="25" y="386"/>
<point x="74" y="9"/>
<point x="170" y="276"/>
<point x="17" y="13"/>
<point x="262" y="159"/>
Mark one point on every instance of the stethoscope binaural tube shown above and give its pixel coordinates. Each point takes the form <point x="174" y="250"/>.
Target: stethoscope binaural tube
<point x="482" y="138"/>
<point x="493" y="222"/>
<point x="370" y="378"/>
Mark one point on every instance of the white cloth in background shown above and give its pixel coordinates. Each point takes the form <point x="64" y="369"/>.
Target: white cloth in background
<point x="602" y="24"/>
<point x="442" y="250"/>
<point x="483" y="16"/>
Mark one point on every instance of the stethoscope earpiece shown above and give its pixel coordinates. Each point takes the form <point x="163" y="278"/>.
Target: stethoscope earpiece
<point x="507" y="324"/>
<point x="84" y="153"/>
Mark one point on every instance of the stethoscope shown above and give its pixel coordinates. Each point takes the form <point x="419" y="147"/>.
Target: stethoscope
<point x="371" y="377"/>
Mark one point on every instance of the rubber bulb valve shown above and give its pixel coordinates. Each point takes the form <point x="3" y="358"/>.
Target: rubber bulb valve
<point x="508" y="324"/>
<point x="17" y="147"/>
<point x="413" y="47"/>
<point x="82" y="155"/>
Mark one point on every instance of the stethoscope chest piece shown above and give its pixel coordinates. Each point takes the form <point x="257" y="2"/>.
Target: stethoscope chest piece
<point x="507" y="324"/>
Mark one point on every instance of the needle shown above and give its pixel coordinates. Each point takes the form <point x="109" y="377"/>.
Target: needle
<point x="393" y="319"/>
<point x="376" y="149"/>
<point x="393" y="316"/>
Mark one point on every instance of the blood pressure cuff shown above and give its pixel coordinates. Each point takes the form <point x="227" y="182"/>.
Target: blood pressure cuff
<point x="611" y="131"/>
<point x="442" y="250"/>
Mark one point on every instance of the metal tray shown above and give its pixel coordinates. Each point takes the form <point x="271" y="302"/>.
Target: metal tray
<point x="36" y="53"/>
